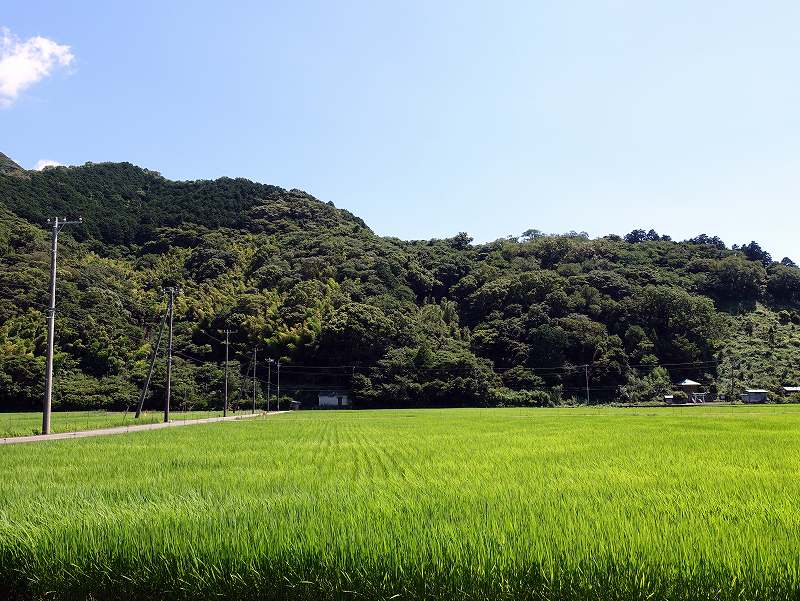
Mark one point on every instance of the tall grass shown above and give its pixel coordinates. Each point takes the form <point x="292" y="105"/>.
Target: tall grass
<point x="453" y="504"/>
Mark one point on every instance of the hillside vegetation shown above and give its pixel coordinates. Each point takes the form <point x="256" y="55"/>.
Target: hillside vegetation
<point x="402" y="323"/>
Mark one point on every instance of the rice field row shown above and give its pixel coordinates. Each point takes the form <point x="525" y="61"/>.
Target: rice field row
<point x="430" y="504"/>
<point x="29" y="423"/>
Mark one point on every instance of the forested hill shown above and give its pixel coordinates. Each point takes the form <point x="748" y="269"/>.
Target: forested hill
<point x="439" y="322"/>
<point x="123" y="204"/>
<point x="7" y="165"/>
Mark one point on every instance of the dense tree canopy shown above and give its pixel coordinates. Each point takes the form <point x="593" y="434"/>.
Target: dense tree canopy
<point x="519" y="321"/>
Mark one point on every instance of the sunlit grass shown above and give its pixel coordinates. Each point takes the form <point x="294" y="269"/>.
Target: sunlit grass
<point x="26" y="424"/>
<point x="686" y="503"/>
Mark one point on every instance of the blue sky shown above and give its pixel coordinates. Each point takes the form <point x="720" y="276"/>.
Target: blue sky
<point x="430" y="118"/>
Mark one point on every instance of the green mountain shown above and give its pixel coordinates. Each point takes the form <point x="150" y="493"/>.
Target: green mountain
<point x="7" y="165"/>
<point x="403" y="323"/>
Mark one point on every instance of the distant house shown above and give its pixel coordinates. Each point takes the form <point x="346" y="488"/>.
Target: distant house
<point x="334" y="399"/>
<point x="755" y="396"/>
<point x="692" y="390"/>
<point x="789" y="390"/>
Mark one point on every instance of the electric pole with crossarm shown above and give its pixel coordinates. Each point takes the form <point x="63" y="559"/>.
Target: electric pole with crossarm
<point x="57" y="224"/>
<point x="153" y="355"/>
<point x="255" y="363"/>
<point x="171" y="312"/>
<point x="270" y="361"/>
<point x="227" y="332"/>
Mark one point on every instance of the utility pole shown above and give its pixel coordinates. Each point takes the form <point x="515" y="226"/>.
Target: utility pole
<point x="152" y="364"/>
<point x="279" y="384"/>
<point x="171" y="309"/>
<point x="586" y="371"/>
<point x="255" y="360"/>
<point x="269" y="380"/>
<point x="228" y="332"/>
<point x="51" y="322"/>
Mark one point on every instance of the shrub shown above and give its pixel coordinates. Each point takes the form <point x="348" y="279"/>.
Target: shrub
<point x="505" y="397"/>
<point x="679" y="396"/>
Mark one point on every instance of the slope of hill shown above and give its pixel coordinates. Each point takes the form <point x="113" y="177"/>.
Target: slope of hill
<point x="7" y="165"/>
<point x="439" y="322"/>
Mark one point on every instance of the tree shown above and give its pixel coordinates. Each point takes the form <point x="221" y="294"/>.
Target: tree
<point x="637" y="236"/>
<point x="531" y="234"/>
<point x="783" y="283"/>
<point x="357" y="332"/>
<point x="735" y="279"/>
<point x="682" y="327"/>
<point x="754" y="252"/>
<point x="706" y="240"/>
<point x="461" y="241"/>
<point x="520" y="377"/>
<point x="651" y="387"/>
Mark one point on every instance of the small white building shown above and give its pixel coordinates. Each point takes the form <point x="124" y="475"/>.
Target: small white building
<point x="790" y="390"/>
<point x="692" y="390"/>
<point x="755" y="395"/>
<point x="334" y="399"/>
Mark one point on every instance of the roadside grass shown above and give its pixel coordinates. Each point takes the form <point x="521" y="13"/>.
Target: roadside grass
<point x="29" y="423"/>
<point x="586" y="503"/>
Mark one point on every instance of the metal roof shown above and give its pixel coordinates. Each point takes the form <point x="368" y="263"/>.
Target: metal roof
<point x="755" y="390"/>
<point x="688" y="382"/>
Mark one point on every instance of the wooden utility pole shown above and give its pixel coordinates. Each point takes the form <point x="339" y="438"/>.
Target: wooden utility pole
<point x="152" y="364"/>
<point x="51" y="322"/>
<point x="228" y="332"/>
<point x="171" y="310"/>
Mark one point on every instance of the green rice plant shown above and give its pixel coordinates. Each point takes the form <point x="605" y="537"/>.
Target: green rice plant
<point x="27" y="424"/>
<point x="586" y="503"/>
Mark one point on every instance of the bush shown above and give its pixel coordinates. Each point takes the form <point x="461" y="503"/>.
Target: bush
<point x="505" y="397"/>
<point x="679" y="396"/>
<point x="651" y="387"/>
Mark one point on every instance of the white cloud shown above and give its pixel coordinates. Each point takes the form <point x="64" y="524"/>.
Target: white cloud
<point x="46" y="163"/>
<point x="24" y="62"/>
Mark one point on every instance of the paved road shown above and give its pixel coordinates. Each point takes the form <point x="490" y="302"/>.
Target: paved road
<point x="126" y="429"/>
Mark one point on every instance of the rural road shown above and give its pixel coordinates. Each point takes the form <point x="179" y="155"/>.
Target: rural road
<point x="127" y="429"/>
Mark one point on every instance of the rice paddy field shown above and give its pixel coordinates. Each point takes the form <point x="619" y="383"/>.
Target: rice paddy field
<point x="27" y="424"/>
<point x="604" y="503"/>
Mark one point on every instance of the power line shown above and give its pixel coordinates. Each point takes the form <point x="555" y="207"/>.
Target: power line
<point x="300" y="369"/>
<point x="204" y="333"/>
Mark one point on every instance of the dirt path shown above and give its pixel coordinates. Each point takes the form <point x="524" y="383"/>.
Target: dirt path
<point x="126" y="429"/>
